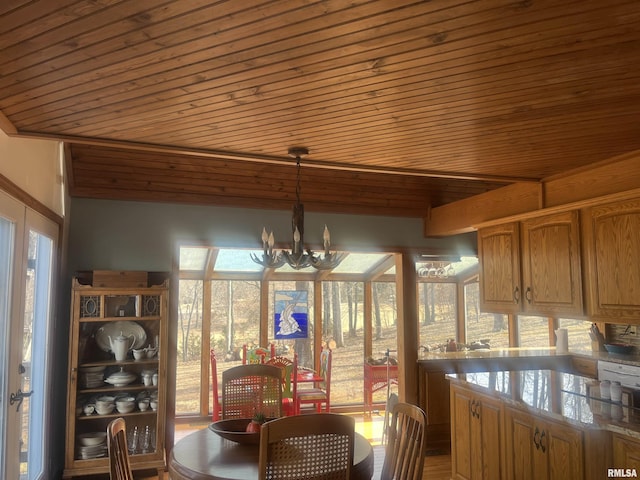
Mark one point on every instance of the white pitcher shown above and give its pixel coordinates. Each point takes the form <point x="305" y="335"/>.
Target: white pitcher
<point x="562" y="340"/>
<point x="121" y="345"/>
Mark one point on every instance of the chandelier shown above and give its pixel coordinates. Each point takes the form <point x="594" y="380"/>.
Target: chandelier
<point x="297" y="258"/>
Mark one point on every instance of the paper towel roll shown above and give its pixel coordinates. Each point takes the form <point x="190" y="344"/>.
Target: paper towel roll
<point x="562" y="340"/>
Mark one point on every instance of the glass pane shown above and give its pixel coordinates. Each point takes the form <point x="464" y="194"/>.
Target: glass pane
<point x="36" y="319"/>
<point x="360" y="262"/>
<point x="342" y="332"/>
<point x="533" y="331"/>
<point x="437" y="314"/>
<point x="7" y="233"/>
<point x="385" y="340"/>
<point x="491" y="328"/>
<point x="235" y="321"/>
<point x="237" y="261"/>
<point x="193" y="258"/>
<point x="578" y="333"/>
<point x="189" y="347"/>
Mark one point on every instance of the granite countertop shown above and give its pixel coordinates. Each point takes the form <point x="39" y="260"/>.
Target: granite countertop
<point x="526" y="352"/>
<point x="561" y="396"/>
<point x="490" y="353"/>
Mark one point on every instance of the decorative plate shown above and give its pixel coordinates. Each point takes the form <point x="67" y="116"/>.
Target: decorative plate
<point x="234" y="429"/>
<point x="113" y="329"/>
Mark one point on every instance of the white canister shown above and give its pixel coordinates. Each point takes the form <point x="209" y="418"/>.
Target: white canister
<point x="605" y="389"/>
<point x="616" y="392"/>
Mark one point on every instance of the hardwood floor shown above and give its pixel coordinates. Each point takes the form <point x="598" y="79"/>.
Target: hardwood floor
<point x="437" y="467"/>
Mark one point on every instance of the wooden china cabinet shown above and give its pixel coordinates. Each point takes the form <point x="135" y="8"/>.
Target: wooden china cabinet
<point x="109" y="307"/>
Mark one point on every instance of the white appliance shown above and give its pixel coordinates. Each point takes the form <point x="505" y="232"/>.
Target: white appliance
<point x="627" y="375"/>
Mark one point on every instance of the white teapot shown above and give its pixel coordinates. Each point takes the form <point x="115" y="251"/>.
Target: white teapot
<point x="121" y="345"/>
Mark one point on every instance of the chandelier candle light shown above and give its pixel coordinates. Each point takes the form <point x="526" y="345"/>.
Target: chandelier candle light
<point x="297" y="258"/>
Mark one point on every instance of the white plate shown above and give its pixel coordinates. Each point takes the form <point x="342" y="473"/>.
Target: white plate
<point x="126" y="328"/>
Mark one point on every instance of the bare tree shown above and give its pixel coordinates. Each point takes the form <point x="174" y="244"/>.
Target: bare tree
<point x="191" y="291"/>
<point x="338" y="336"/>
<point x="352" y="302"/>
<point x="376" y="311"/>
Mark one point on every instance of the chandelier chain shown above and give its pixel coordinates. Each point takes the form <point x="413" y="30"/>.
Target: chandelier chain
<point x="298" y="180"/>
<point x="297" y="258"/>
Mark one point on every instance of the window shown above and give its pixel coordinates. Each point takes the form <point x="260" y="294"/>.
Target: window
<point x="437" y="313"/>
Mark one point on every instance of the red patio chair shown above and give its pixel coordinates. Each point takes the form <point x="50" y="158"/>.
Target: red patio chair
<point x="321" y="392"/>
<point x="257" y="354"/>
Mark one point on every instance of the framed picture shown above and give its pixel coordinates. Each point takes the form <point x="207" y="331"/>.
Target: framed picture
<point x="291" y="314"/>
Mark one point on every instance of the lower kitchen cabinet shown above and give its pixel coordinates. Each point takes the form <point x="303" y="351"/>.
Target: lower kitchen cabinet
<point x="476" y="435"/>
<point x="540" y="448"/>
<point x="626" y="452"/>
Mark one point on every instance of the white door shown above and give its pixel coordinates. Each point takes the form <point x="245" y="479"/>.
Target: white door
<point x="28" y="242"/>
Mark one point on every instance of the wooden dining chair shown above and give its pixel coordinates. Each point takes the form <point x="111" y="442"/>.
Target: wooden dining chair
<point x="217" y="404"/>
<point x="406" y="447"/>
<point x="119" y="466"/>
<point x="251" y="389"/>
<point x="320" y="394"/>
<point x="316" y="445"/>
<point x="289" y="369"/>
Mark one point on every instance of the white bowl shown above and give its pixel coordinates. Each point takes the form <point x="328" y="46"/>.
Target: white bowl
<point x="92" y="438"/>
<point x="104" y="403"/>
<point x="125" y="407"/>
<point x="105" y="410"/>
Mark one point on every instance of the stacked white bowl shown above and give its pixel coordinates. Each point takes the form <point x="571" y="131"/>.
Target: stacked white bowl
<point x="105" y="405"/>
<point x="125" y="404"/>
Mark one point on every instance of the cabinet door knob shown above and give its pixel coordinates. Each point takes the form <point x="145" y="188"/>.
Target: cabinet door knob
<point x="536" y="442"/>
<point x="516" y="295"/>
<point x="528" y="295"/>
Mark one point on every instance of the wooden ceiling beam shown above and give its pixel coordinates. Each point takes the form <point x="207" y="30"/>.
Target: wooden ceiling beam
<point x="619" y="176"/>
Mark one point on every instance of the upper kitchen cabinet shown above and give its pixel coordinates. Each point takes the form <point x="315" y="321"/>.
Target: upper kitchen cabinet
<point x="499" y="259"/>
<point x="532" y="266"/>
<point x="551" y="268"/>
<point x="612" y="260"/>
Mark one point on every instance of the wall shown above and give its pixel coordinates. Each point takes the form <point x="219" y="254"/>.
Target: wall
<point x="113" y="235"/>
<point x="35" y="166"/>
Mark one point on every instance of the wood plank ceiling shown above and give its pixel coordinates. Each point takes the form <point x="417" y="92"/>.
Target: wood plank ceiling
<point x="405" y="105"/>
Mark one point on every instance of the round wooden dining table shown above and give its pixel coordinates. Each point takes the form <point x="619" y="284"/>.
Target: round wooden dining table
<point x="204" y="455"/>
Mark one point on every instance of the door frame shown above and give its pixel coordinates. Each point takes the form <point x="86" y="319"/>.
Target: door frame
<point x="27" y="219"/>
